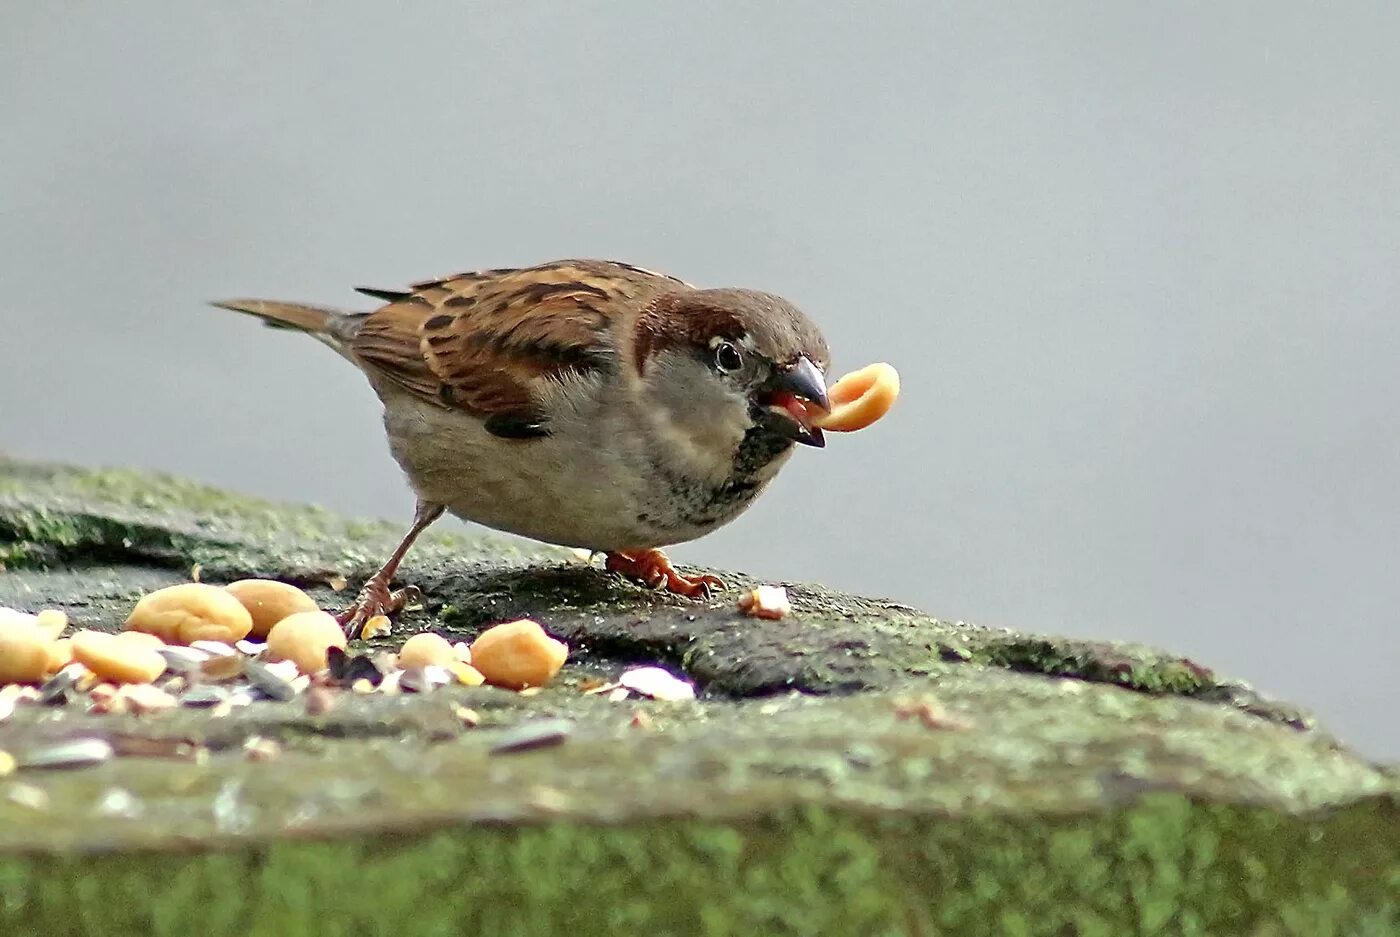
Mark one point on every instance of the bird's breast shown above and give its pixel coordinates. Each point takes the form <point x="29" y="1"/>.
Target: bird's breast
<point x="603" y="479"/>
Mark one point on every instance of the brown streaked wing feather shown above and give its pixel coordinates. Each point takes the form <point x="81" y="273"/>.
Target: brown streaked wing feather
<point x="481" y="342"/>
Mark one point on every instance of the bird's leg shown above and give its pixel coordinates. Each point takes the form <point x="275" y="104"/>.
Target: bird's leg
<point x="375" y="598"/>
<point x="652" y="568"/>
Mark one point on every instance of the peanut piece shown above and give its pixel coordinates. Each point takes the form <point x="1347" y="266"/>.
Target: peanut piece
<point x="269" y="601"/>
<point x="427" y="650"/>
<point x="191" y="612"/>
<point x="116" y="660"/>
<point x="303" y="638"/>
<point x="518" y="654"/>
<point x="859" y="399"/>
<point x="24" y="652"/>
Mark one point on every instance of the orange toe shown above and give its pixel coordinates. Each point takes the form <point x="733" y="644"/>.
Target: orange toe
<point x="653" y="569"/>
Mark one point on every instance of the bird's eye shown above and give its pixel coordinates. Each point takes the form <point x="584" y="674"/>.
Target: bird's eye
<point x="727" y="357"/>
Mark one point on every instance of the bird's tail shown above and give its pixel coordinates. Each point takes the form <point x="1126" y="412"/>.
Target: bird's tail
<point x="335" y="327"/>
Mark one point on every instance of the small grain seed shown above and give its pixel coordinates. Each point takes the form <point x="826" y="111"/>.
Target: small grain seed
<point x="28" y="796"/>
<point x="199" y="697"/>
<point x="539" y="733"/>
<point x="73" y="753"/>
<point x="268" y="682"/>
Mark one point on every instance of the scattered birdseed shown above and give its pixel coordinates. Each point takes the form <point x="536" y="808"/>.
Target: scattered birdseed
<point x="118" y="802"/>
<point x="640" y="719"/>
<point x="538" y="733"/>
<point x="466" y="674"/>
<point x="268" y="681"/>
<point x="347" y="669"/>
<point x="182" y="659"/>
<point x="53" y="621"/>
<point x="57" y="690"/>
<point x="200" y="697"/>
<point x="467" y="717"/>
<point x="377" y="627"/>
<point x="214" y="648"/>
<point x="74" y="753"/>
<point x="657" y="683"/>
<point x="106" y="699"/>
<point x="144" y="698"/>
<point x="8" y="695"/>
<point x="27" y="795"/>
<point x="137" y="746"/>
<point x="931" y="713"/>
<point x="319" y="701"/>
<point x="414" y="680"/>
<point x="769" y="602"/>
<point x="220" y="669"/>
<point x="549" y="799"/>
<point x="257" y="748"/>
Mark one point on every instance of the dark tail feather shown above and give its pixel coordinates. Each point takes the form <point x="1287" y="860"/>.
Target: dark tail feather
<point x="389" y="296"/>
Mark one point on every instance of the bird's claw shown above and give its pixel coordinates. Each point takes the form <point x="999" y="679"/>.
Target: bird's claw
<point x="652" y="569"/>
<point x="375" y="599"/>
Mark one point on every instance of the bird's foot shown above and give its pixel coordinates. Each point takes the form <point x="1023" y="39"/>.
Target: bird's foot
<point x="375" y="599"/>
<point x="653" y="569"/>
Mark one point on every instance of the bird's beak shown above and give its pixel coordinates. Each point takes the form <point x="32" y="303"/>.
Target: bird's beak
<point x="794" y="390"/>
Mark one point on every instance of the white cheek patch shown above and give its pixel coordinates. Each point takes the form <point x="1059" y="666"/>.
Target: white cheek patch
<point x="694" y="415"/>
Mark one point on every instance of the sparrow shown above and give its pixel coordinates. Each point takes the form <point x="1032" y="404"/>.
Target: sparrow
<point x="586" y="403"/>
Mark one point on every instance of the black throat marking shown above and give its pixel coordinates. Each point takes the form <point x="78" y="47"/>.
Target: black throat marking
<point x="705" y="505"/>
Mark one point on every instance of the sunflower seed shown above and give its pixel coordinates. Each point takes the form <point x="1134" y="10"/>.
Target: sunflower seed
<point x="74" y="753"/>
<point x="657" y="683"/>
<point x="57" y="690"/>
<point x="268" y="682"/>
<point x="202" y="696"/>
<point x="182" y="659"/>
<point x="539" y="733"/>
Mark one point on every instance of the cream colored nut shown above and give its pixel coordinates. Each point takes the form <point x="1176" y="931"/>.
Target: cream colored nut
<point x="190" y="612"/>
<point x="765" y="602"/>
<point x="466" y="674"/>
<point x="427" y="650"/>
<point x="303" y="638"/>
<point x="52" y="622"/>
<point x="518" y="654"/>
<point x="13" y="616"/>
<point x="116" y="660"/>
<point x="859" y="399"/>
<point x="144" y="698"/>
<point x="139" y="639"/>
<point x="269" y="601"/>
<point x="60" y="654"/>
<point x="376" y="627"/>
<point x="24" y="651"/>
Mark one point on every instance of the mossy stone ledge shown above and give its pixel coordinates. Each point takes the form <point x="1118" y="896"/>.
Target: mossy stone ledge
<point x="856" y="768"/>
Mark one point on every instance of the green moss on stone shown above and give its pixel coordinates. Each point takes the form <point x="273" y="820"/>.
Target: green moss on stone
<point x="1163" y="866"/>
<point x="1135" y="671"/>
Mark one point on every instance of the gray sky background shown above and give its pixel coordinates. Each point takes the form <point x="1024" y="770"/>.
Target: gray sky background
<point x="1137" y="264"/>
